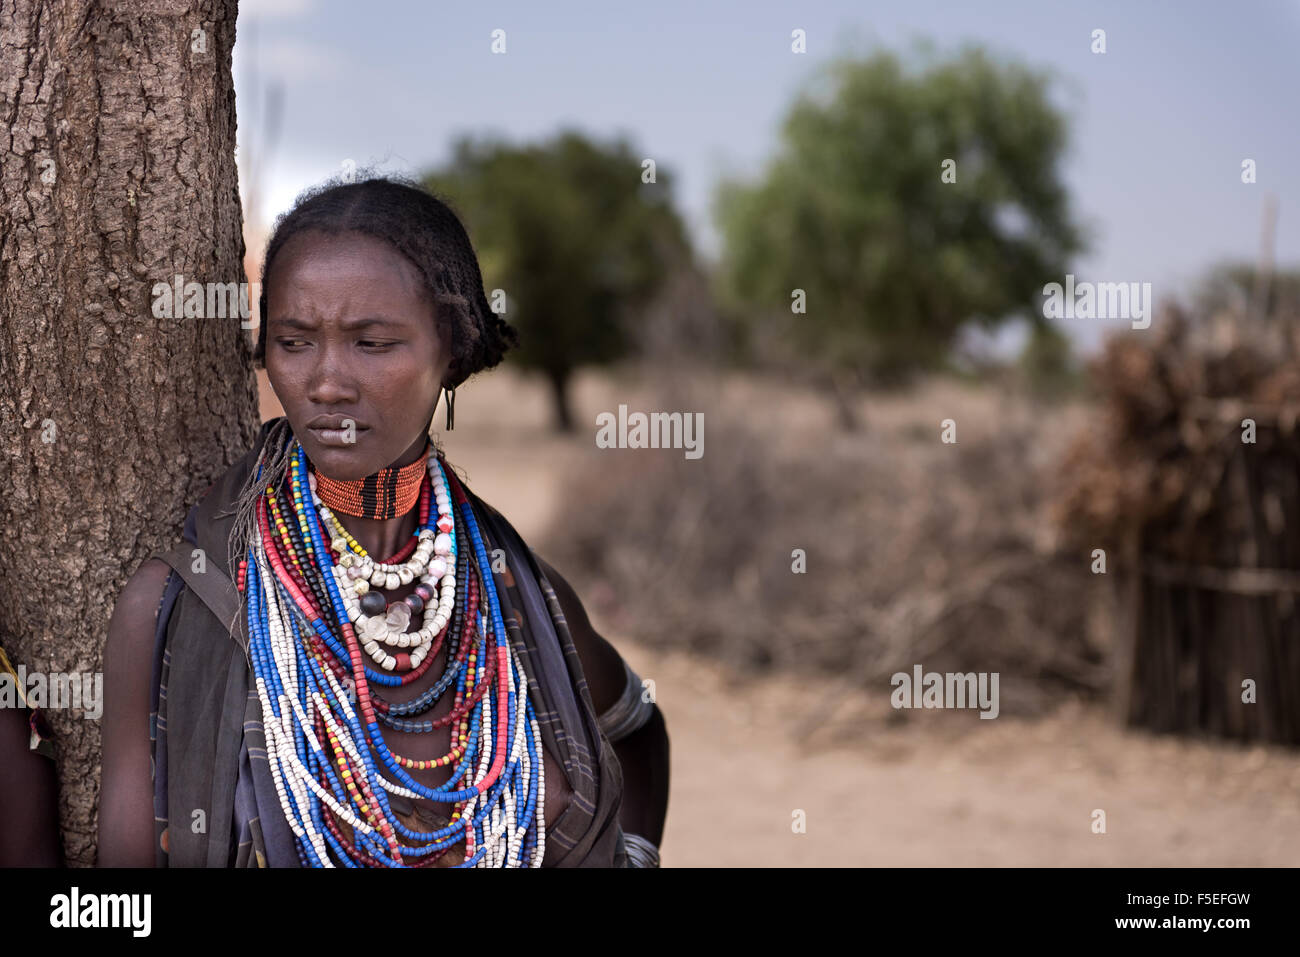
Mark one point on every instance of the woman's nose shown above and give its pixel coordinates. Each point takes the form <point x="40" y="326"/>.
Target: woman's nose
<point x="331" y="379"/>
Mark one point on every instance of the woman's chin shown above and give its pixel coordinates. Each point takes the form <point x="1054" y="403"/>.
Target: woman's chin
<point x="345" y="462"/>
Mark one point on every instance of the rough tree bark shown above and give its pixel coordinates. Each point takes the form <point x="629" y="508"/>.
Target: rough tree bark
<point x="117" y="171"/>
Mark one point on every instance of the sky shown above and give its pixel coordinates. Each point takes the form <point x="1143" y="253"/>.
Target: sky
<point x="1161" y="121"/>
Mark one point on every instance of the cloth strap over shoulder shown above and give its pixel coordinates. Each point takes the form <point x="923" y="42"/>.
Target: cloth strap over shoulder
<point x="212" y="585"/>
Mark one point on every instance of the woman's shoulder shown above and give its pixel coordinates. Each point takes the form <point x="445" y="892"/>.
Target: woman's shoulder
<point x="135" y="615"/>
<point x="144" y="587"/>
<point x="128" y="652"/>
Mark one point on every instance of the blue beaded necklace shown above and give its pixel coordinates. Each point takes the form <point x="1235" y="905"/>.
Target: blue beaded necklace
<point x="496" y="784"/>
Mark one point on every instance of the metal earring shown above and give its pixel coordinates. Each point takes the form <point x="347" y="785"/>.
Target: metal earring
<point x="451" y="407"/>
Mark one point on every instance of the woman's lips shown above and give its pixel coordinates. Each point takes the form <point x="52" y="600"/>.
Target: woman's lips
<point x="337" y="438"/>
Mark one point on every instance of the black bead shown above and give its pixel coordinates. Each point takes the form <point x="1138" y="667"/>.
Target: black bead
<point x="416" y="603"/>
<point x="373" y="603"/>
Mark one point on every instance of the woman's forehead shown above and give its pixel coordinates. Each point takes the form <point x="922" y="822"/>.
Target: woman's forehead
<point x="348" y="266"/>
<point x="354" y="250"/>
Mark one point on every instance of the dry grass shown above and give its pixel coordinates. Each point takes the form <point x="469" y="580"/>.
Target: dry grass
<point x="917" y="551"/>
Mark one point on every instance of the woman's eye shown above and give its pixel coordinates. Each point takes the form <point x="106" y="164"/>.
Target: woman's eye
<point x="370" y="344"/>
<point x="290" y="343"/>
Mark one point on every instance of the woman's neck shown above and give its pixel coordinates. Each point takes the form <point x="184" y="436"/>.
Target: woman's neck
<point x="384" y="537"/>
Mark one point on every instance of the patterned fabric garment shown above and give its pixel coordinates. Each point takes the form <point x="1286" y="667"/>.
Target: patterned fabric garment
<point x="215" y="803"/>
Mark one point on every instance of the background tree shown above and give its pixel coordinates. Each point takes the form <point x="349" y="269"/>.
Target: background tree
<point x="579" y="244"/>
<point x="117" y="172"/>
<point x="855" y="211"/>
<point x="1048" y="365"/>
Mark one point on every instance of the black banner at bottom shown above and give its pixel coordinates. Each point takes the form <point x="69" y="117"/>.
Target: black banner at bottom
<point x="1002" y="905"/>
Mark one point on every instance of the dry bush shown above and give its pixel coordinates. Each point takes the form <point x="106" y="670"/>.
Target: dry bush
<point x="917" y="553"/>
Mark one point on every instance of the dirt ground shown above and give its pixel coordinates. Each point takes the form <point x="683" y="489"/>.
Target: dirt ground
<point x="875" y="786"/>
<point x="944" y="789"/>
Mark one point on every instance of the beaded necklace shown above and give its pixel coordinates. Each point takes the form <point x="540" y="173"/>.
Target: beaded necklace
<point x="388" y="493"/>
<point x="317" y="624"/>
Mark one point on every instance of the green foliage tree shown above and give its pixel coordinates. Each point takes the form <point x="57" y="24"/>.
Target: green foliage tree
<point x="856" y="211"/>
<point x="575" y="238"/>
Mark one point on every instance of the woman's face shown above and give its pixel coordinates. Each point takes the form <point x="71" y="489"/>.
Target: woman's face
<point x="350" y="335"/>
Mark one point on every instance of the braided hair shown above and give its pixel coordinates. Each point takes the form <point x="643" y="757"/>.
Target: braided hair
<point x="426" y="231"/>
<point x="422" y="228"/>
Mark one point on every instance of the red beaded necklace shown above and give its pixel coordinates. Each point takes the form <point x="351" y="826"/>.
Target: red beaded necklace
<point x="386" y="494"/>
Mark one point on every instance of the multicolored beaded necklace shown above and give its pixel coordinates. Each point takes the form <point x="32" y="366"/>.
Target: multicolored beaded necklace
<point x="317" y="623"/>
<point x="387" y="494"/>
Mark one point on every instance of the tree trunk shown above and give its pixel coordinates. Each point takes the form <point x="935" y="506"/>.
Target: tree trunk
<point x="559" y="380"/>
<point x="845" y="391"/>
<point x="117" y="173"/>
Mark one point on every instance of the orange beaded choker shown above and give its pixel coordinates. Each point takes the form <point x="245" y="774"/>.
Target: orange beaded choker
<point x="388" y="493"/>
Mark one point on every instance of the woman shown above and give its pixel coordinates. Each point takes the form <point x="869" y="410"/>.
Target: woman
<point x="447" y="706"/>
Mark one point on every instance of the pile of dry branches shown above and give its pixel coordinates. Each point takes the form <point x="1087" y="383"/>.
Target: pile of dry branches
<point x="1167" y="473"/>
<point x="1192" y="485"/>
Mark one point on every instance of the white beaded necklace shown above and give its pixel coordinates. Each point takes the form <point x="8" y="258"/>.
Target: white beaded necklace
<point x="433" y="563"/>
<point x="296" y="708"/>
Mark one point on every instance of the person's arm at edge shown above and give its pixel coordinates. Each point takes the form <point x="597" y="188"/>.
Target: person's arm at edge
<point x="28" y="798"/>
